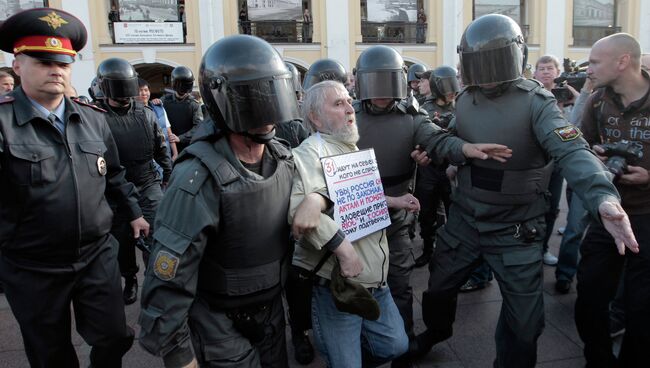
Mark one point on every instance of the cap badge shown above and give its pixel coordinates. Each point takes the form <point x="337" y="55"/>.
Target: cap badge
<point x="53" y="42"/>
<point x="54" y="20"/>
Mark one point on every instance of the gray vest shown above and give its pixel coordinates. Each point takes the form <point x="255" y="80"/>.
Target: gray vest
<point x="244" y="264"/>
<point x="392" y="136"/>
<point x="506" y="120"/>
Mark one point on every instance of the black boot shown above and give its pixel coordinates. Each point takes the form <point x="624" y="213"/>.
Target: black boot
<point x="303" y="351"/>
<point x="130" y="294"/>
<point x="422" y="343"/>
<point x="427" y="252"/>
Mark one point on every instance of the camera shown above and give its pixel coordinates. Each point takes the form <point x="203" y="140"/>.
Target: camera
<point x="620" y="154"/>
<point x="573" y="75"/>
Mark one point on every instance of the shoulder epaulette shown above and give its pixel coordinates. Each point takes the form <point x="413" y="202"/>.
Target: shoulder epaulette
<point x="94" y="107"/>
<point x="529" y="84"/>
<point x="6" y="99"/>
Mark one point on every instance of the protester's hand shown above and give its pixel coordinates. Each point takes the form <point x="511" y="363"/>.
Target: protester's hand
<point x="405" y="202"/>
<point x="483" y="151"/>
<point x="420" y="156"/>
<point x="617" y="223"/>
<point x="140" y="225"/>
<point x="173" y="138"/>
<point x="636" y="175"/>
<point x="599" y="152"/>
<point x="156" y="101"/>
<point x="349" y="261"/>
<point x="307" y="216"/>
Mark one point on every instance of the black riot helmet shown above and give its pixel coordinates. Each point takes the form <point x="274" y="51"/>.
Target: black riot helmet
<point x="182" y="80"/>
<point x="245" y="84"/>
<point x="492" y="50"/>
<point x="380" y="74"/>
<point x="94" y="91"/>
<point x="322" y="70"/>
<point x="413" y="69"/>
<point x="443" y="81"/>
<point x="295" y="76"/>
<point x="117" y="79"/>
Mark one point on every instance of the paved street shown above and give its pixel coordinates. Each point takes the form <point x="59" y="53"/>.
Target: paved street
<point x="471" y="346"/>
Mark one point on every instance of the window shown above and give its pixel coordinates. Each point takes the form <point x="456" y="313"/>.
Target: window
<point x="277" y="21"/>
<point x="12" y="7"/>
<point x="515" y="9"/>
<point x="593" y="20"/>
<point x="393" y="21"/>
<point x="141" y="21"/>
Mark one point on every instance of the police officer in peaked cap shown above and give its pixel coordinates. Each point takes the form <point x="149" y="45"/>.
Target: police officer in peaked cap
<point x="57" y="161"/>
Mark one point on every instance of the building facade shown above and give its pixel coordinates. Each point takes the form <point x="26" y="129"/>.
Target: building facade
<point x="158" y="35"/>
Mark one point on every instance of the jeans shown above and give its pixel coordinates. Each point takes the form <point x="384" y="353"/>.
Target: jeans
<point x="555" y="187"/>
<point x="577" y="221"/>
<point x="340" y="337"/>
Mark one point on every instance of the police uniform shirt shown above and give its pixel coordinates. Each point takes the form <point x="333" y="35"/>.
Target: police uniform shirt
<point x="58" y="113"/>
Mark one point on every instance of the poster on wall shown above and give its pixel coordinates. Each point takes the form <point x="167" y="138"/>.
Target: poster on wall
<point x="11" y="7"/>
<point x="599" y="13"/>
<point x="510" y="8"/>
<point x="149" y="10"/>
<point x="148" y="32"/>
<point x="392" y="10"/>
<point x="274" y="10"/>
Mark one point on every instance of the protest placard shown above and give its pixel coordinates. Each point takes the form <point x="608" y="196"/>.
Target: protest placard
<point x="354" y="185"/>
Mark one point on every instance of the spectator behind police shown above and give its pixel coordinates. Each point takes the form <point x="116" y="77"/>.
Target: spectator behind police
<point x="617" y="113"/>
<point x="139" y="142"/>
<point x="394" y="131"/>
<point x="163" y="122"/>
<point x="183" y="110"/>
<point x="113" y="14"/>
<point x="327" y="109"/>
<point x="6" y="83"/>
<point x="221" y="246"/>
<point x="59" y="162"/>
<point x="498" y="211"/>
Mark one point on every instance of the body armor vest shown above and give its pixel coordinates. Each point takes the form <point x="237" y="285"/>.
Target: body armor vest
<point x="244" y="264"/>
<point x="506" y="120"/>
<point x="134" y="138"/>
<point x="179" y="113"/>
<point x="392" y="136"/>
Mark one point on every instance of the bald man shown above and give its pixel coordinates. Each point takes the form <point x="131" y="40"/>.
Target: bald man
<point x="618" y="112"/>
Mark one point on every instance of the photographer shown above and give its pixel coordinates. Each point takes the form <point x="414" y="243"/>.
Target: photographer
<point x="616" y="115"/>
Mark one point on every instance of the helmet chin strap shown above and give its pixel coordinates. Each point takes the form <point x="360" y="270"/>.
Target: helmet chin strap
<point x="260" y="138"/>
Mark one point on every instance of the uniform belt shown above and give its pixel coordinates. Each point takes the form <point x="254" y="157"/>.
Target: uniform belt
<point x="321" y="281"/>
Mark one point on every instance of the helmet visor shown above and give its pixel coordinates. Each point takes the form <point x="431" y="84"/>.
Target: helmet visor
<point x="381" y="84"/>
<point x="257" y="103"/>
<point x="447" y="85"/>
<point x="491" y="66"/>
<point x="183" y="87"/>
<point x="120" y="88"/>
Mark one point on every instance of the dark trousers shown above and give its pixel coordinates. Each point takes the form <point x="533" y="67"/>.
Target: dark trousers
<point x="149" y="198"/>
<point x="217" y="343"/>
<point x="41" y="303"/>
<point x="517" y="266"/>
<point x="598" y="278"/>
<point x="400" y="266"/>
<point x="432" y="188"/>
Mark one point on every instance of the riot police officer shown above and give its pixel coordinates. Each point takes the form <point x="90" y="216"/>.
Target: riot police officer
<point x="183" y="110"/>
<point x="139" y="141"/>
<point x="292" y="131"/>
<point x="221" y="246"/>
<point x="58" y="162"/>
<point x="386" y="125"/>
<point x="432" y="187"/>
<point x="498" y="210"/>
<point x="413" y="80"/>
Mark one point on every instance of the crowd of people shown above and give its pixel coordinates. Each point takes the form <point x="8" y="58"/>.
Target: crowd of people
<point x="229" y="206"/>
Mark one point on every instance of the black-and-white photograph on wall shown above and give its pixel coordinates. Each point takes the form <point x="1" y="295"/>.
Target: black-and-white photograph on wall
<point x="11" y="7"/>
<point x="392" y="10"/>
<point x="593" y="13"/>
<point x="274" y="10"/>
<point x="510" y="8"/>
<point x="149" y="10"/>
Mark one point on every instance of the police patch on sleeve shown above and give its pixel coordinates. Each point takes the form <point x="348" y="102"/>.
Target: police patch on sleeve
<point x="165" y="265"/>
<point x="568" y="133"/>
